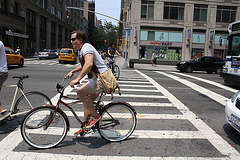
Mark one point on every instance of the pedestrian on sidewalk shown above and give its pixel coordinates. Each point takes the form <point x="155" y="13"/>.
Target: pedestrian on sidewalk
<point x="154" y="59"/>
<point x="3" y="71"/>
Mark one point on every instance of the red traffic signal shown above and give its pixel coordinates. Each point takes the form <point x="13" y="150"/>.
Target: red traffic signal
<point x="220" y="42"/>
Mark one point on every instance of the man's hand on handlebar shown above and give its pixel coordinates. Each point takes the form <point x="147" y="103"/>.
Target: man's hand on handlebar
<point x="69" y="75"/>
<point x="74" y="82"/>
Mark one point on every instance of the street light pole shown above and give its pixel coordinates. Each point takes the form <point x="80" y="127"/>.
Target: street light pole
<point x="126" y="40"/>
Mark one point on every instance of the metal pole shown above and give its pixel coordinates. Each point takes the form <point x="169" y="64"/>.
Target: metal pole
<point x="126" y="39"/>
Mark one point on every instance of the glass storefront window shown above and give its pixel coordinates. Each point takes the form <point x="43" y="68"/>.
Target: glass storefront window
<point x="143" y="35"/>
<point x="161" y="36"/>
<point x="218" y="53"/>
<point x="197" y="52"/>
<point x="198" y="38"/>
<point x="175" y="37"/>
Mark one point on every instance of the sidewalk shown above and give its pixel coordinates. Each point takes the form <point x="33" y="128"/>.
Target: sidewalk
<point x="120" y="61"/>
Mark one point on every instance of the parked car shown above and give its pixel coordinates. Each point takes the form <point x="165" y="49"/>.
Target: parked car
<point x="68" y="55"/>
<point x="232" y="111"/>
<point x="47" y="53"/>
<point x="14" y="58"/>
<point x="205" y="63"/>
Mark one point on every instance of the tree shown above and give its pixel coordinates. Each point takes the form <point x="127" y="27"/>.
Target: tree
<point x="101" y="37"/>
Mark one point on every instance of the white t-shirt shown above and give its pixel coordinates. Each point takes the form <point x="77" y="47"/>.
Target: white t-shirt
<point x="3" y="59"/>
<point x="98" y="61"/>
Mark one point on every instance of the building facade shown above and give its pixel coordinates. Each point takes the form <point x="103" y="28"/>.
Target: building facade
<point x="33" y="25"/>
<point x="179" y="30"/>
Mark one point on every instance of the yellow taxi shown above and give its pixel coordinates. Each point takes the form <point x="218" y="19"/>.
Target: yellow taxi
<point x="14" y="58"/>
<point x="68" y="55"/>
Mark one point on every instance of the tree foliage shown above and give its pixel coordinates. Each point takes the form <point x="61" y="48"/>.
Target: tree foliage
<point x="101" y="37"/>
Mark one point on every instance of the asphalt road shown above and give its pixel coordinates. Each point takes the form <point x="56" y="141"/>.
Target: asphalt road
<point x="179" y="116"/>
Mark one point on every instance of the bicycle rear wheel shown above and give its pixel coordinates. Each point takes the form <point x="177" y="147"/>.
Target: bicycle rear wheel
<point x="117" y="123"/>
<point x="33" y="99"/>
<point x="116" y="71"/>
<point x="35" y="133"/>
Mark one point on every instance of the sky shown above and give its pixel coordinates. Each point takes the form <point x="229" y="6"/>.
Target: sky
<point x="108" y="7"/>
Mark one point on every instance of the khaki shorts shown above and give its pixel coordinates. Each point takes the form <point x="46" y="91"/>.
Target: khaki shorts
<point x="3" y="78"/>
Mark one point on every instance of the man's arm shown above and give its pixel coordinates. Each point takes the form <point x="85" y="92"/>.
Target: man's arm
<point x="118" y="53"/>
<point x="85" y="69"/>
<point x="109" y="52"/>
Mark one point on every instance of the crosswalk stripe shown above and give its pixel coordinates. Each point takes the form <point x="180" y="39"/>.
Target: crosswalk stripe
<point x="139" y="116"/>
<point x="128" y="95"/>
<point x="137" y="82"/>
<point x="138" y="90"/>
<point x="138" y="104"/>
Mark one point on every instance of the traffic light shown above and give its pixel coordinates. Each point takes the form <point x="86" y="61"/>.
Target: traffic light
<point x="68" y="14"/>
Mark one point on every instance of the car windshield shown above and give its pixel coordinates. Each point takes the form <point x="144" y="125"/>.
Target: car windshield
<point x="66" y="51"/>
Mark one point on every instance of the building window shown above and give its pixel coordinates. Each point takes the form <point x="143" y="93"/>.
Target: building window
<point x="226" y="14"/>
<point x="174" y="10"/>
<point x="60" y="2"/>
<point x="53" y="10"/>
<point x="30" y="18"/>
<point x="200" y="12"/>
<point x="3" y="4"/>
<point x="151" y="35"/>
<point x="59" y="14"/>
<point x="43" y="24"/>
<point x="147" y="9"/>
<point x="43" y="4"/>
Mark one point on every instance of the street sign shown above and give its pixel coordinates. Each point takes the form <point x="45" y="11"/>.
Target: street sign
<point x="211" y="35"/>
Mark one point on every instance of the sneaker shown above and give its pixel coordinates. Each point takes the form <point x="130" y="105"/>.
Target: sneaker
<point x="92" y="121"/>
<point x="3" y="111"/>
<point x="81" y="132"/>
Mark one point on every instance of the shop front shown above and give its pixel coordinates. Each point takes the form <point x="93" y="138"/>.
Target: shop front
<point x="167" y="45"/>
<point x="14" y="39"/>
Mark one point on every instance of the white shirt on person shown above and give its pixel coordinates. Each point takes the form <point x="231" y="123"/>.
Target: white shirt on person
<point x="3" y="58"/>
<point x="98" y="61"/>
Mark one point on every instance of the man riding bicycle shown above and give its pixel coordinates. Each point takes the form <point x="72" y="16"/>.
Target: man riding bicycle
<point x="90" y="61"/>
<point x="110" y="55"/>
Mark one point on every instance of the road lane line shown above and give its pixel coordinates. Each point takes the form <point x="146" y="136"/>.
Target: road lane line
<point x="214" y="96"/>
<point x="217" y="141"/>
<point x="219" y="85"/>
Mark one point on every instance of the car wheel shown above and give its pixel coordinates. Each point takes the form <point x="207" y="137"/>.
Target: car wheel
<point x="189" y="69"/>
<point x="218" y="71"/>
<point x="21" y="63"/>
<point x="209" y="72"/>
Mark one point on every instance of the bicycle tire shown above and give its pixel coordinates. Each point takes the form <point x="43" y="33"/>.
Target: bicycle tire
<point x="116" y="71"/>
<point x="34" y="132"/>
<point x="22" y="106"/>
<point x="118" y="122"/>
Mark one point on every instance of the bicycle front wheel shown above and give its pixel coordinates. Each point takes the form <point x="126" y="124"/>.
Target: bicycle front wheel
<point x="117" y="123"/>
<point x="34" y="128"/>
<point x="25" y="104"/>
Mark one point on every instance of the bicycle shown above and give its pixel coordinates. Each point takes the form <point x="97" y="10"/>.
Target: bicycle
<point x="47" y="126"/>
<point x="25" y="102"/>
<point x="115" y="69"/>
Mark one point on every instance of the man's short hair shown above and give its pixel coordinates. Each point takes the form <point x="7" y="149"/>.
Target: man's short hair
<point x="80" y="34"/>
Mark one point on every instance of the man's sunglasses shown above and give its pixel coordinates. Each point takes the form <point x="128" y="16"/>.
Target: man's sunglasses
<point x="73" y="39"/>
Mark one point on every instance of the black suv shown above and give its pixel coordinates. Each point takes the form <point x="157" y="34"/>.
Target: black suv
<point x="205" y="63"/>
